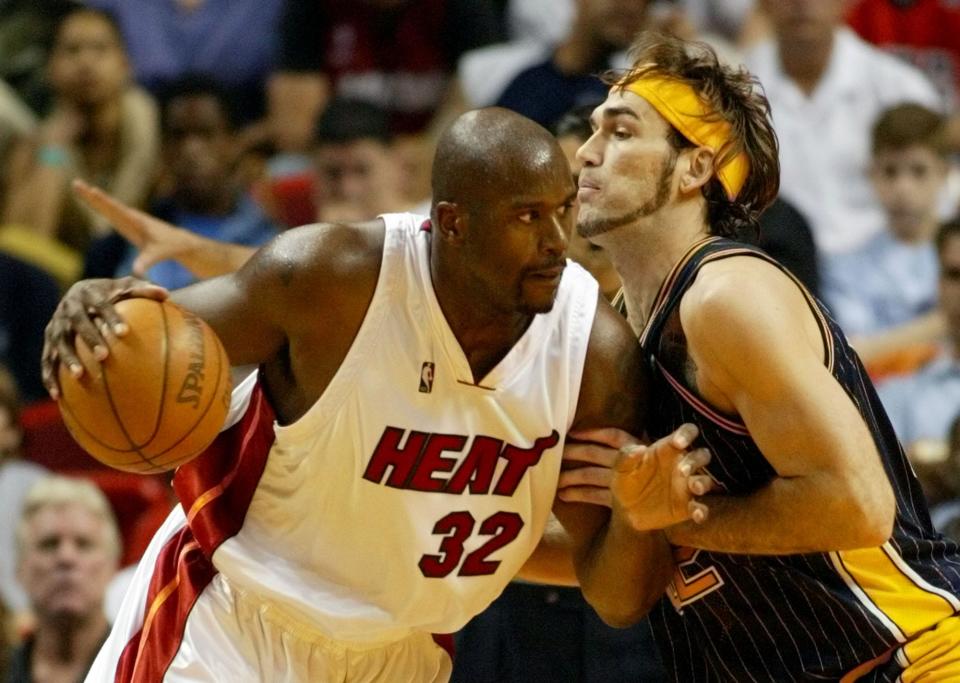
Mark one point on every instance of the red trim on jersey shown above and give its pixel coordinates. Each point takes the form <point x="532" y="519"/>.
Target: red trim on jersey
<point x="445" y="640"/>
<point x="703" y="407"/>
<point x="181" y="573"/>
<point x="215" y="489"/>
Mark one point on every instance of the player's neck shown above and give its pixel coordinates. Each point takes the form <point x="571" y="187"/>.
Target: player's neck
<point x="644" y="252"/>
<point x="485" y="333"/>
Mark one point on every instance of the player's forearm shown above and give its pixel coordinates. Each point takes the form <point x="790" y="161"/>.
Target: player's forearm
<point x="816" y="513"/>
<point x="625" y="572"/>
<point x="552" y="560"/>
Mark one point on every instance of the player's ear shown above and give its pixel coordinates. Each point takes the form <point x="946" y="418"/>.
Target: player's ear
<point x="696" y="168"/>
<point x="450" y="221"/>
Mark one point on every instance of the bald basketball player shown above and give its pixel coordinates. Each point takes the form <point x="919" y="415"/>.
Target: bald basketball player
<point x="393" y="462"/>
<point x="818" y="561"/>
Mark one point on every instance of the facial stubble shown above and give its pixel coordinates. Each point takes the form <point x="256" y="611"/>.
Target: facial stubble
<point x="602" y="225"/>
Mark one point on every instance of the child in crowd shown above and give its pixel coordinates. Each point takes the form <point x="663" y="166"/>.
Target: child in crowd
<point x="884" y="294"/>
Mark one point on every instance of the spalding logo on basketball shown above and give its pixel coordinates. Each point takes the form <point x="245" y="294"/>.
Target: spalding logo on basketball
<point x="160" y="397"/>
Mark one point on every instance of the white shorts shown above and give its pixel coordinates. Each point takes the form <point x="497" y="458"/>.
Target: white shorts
<point x="228" y="635"/>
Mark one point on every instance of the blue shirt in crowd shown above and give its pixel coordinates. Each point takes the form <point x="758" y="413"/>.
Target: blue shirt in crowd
<point x="246" y="225"/>
<point x="233" y="41"/>
<point x="924" y="404"/>
<point x="544" y="94"/>
<point x="881" y="285"/>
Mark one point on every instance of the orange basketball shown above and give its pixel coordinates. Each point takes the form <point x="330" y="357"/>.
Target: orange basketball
<point x="158" y="399"/>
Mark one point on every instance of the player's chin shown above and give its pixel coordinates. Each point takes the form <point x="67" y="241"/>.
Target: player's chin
<point x="539" y="298"/>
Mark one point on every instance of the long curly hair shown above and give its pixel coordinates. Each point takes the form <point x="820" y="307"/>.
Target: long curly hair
<point x="737" y="97"/>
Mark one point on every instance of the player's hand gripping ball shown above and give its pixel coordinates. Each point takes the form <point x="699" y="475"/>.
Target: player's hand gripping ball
<point x="160" y="397"/>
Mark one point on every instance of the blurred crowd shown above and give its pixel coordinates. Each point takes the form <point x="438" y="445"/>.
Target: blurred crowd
<point x="227" y="121"/>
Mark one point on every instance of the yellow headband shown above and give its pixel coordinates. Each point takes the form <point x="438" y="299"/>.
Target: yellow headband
<point x="679" y="104"/>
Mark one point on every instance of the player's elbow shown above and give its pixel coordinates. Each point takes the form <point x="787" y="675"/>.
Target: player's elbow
<point x="883" y="514"/>
<point x="626" y="604"/>
<point x="875" y="512"/>
<point x="620" y="613"/>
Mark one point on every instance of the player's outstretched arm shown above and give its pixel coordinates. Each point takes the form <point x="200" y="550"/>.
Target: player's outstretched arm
<point x="622" y="571"/>
<point x="157" y="240"/>
<point x="308" y="285"/>
<point x="760" y="355"/>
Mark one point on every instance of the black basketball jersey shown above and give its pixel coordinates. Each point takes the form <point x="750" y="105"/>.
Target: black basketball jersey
<point x="793" y="617"/>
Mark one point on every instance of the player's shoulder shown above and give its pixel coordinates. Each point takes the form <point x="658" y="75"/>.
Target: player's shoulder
<point x="332" y="244"/>
<point x="615" y="381"/>
<point x="736" y="293"/>
<point x="326" y="251"/>
<point x="336" y="263"/>
<point x="610" y="333"/>
<point x="613" y="352"/>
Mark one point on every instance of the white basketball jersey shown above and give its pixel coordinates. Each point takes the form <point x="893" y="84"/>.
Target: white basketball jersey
<point x="408" y="496"/>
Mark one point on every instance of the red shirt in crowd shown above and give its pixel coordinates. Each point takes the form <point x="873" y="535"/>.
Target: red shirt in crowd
<point x="926" y="32"/>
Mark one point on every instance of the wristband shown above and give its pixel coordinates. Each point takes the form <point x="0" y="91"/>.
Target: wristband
<point x="53" y="155"/>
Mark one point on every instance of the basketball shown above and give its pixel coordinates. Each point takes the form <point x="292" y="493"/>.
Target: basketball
<point x="158" y="399"/>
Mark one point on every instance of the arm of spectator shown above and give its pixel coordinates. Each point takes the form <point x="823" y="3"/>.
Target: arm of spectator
<point x="140" y="148"/>
<point x="298" y="90"/>
<point x="927" y="329"/>
<point x="38" y="173"/>
<point x="294" y="100"/>
<point x="158" y="240"/>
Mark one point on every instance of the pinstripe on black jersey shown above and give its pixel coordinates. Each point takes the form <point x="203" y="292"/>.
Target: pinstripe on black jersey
<point x="794" y="617"/>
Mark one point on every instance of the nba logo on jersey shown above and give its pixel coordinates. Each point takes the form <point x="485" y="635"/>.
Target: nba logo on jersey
<point x="426" y="378"/>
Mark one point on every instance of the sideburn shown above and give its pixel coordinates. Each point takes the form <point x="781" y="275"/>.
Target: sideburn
<point x="655" y="204"/>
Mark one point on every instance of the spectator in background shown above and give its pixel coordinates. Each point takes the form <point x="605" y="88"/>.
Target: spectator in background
<point x="16" y="122"/>
<point x="785" y="234"/>
<point x="938" y="468"/>
<point x="568" y="78"/>
<point x="67" y="551"/>
<point x="725" y="19"/>
<point x="358" y="172"/>
<point x="891" y="281"/>
<point x="100" y="129"/>
<point x="357" y="178"/>
<point x="232" y="41"/>
<point x="923" y="31"/>
<point x="26" y="35"/>
<point x="398" y="54"/>
<point x="826" y="88"/>
<point x="922" y="405"/>
<point x="28" y="297"/>
<point x="5" y="640"/>
<point x="572" y="130"/>
<point x="16" y="478"/>
<point x="200" y="153"/>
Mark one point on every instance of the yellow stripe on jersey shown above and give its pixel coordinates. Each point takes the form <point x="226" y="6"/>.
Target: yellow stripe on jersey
<point x="892" y="591"/>
<point x="935" y="655"/>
